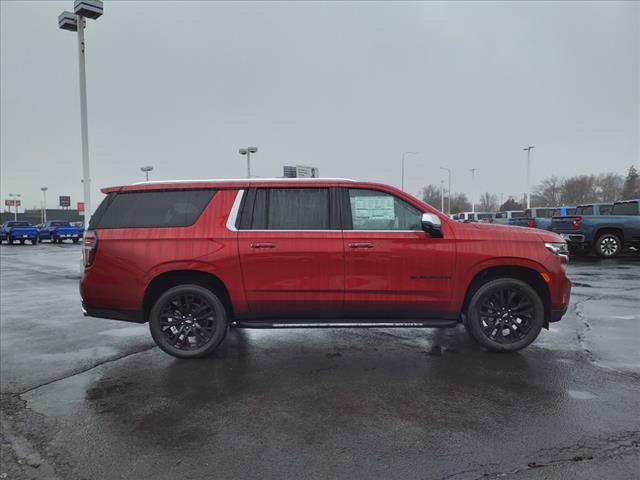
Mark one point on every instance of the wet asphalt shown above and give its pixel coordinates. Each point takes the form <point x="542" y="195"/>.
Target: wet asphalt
<point x="84" y="398"/>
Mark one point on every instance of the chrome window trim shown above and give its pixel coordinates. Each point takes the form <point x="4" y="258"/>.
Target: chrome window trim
<point x="235" y="209"/>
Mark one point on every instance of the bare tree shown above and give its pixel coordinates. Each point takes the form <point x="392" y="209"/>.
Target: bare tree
<point x="431" y="195"/>
<point x="488" y="202"/>
<point x="511" y="204"/>
<point x="549" y="192"/>
<point x="579" y="189"/>
<point x="631" y="187"/>
<point x="460" y="203"/>
<point x="609" y="186"/>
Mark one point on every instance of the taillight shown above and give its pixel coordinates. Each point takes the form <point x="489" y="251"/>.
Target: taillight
<point x="531" y="223"/>
<point x="89" y="247"/>
<point x="576" y="223"/>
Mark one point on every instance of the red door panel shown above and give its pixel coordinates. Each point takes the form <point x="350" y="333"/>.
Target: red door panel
<point x="397" y="274"/>
<point x="296" y="273"/>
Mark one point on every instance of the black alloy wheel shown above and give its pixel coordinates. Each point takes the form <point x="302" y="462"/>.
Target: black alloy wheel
<point x="608" y="245"/>
<point x="188" y="321"/>
<point x="505" y="315"/>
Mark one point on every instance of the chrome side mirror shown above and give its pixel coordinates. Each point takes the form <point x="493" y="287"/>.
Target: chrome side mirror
<point x="432" y="225"/>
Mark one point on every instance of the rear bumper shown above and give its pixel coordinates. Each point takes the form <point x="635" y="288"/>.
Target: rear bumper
<point x="134" y="316"/>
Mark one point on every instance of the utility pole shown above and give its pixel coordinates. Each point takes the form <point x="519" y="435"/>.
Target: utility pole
<point x="473" y="188"/>
<point x="528" y="150"/>
<point x="442" y="196"/>
<point x="448" y="170"/>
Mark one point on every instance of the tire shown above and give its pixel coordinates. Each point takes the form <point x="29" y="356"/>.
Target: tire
<point x="75" y="240"/>
<point x="608" y="245"/>
<point x="22" y="242"/>
<point x="175" y="302"/>
<point x="9" y="240"/>
<point x="35" y="241"/>
<point x="501" y="296"/>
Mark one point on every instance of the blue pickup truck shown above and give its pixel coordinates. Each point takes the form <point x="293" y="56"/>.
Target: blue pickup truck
<point x="605" y="234"/>
<point x="12" y="231"/>
<point x="57" y="231"/>
<point x="539" y="217"/>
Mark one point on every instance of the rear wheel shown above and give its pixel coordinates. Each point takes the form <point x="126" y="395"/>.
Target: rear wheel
<point x="608" y="245"/>
<point x="188" y="321"/>
<point x="505" y="315"/>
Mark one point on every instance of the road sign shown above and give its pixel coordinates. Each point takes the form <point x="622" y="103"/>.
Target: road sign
<point x="65" y="201"/>
<point x="81" y="208"/>
<point x="12" y="203"/>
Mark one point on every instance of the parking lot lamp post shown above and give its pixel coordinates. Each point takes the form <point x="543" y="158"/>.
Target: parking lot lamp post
<point x="442" y="196"/>
<point x="146" y="171"/>
<point x="403" y="155"/>
<point x="44" y="204"/>
<point x="248" y="151"/>
<point x="75" y="22"/>
<point x="448" y="170"/>
<point x="528" y="150"/>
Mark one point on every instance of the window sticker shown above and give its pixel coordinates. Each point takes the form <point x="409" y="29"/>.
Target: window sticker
<point x="373" y="208"/>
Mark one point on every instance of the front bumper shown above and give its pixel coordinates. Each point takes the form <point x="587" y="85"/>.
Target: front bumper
<point x="556" y="315"/>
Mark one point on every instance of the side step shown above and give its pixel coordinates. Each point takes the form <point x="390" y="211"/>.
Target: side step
<point x="332" y="323"/>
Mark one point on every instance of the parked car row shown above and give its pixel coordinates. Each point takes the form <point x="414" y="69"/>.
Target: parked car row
<point x="55" y="231"/>
<point x="605" y="229"/>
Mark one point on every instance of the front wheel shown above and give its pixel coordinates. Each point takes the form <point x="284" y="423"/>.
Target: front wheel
<point x="505" y="315"/>
<point x="188" y="321"/>
<point x="608" y="245"/>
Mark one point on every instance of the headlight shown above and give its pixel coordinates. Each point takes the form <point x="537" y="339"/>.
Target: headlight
<point x="559" y="248"/>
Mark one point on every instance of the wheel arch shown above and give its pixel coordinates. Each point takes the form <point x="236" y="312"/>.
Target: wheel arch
<point x="614" y="230"/>
<point x="163" y="281"/>
<point x="528" y="275"/>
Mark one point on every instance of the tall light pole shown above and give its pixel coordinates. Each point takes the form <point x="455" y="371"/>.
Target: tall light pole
<point x="248" y="151"/>
<point x="442" y="196"/>
<point x="473" y="188"/>
<point x="44" y="204"/>
<point x="15" y="197"/>
<point x="146" y="171"/>
<point x="528" y="150"/>
<point x="403" y="155"/>
<point x="448" y="170"/>
<point x="75" y="22"/>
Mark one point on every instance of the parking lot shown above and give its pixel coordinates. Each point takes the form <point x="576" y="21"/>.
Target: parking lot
<point x="84" y="398"/>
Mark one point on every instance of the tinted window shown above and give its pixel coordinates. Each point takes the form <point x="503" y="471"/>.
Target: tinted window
<point x="60" y="224"/>
<point x="628" y="208"/>
<point x="288" y="209"/>
<point x="570" y="211"/>
<point x="586" y="210"/>
<point x="18" y="224"/>
<point x="485" y="215"/>
<point x="375" y="210"/>
<point x="169" y="208"/>
<point x="605" y="209"/>
<point x="544" y="212"/>
<point x="517" y="214"/>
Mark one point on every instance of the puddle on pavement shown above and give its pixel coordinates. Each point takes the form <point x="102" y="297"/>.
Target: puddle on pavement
<point x="126" y="332"/>
<point x="91" y="353"/>
<point x="581" y="394"/>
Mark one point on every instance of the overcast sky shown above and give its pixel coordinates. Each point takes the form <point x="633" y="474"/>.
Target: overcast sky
<point x="346" y="87"/>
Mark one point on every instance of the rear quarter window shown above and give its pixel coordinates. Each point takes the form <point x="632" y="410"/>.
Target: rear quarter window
<point x="167" y="208"/>
<point x="627" y="208"/>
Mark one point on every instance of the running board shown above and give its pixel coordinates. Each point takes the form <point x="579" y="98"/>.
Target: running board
<point x="404" y="323"/>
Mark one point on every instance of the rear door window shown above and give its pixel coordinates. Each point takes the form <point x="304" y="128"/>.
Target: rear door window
<point x="168" y="208"/>
<point x="586" y="210"/>
<point x="605" y="209"/>
<point x="287" y="209"/>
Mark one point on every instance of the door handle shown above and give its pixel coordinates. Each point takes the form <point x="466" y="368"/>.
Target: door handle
<point x="361" y="245"/>
<point x="263" y="245"/>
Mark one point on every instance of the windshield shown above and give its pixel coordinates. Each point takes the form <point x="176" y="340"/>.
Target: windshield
<point x="60" y="224"/>
<point x="17" y="224"/>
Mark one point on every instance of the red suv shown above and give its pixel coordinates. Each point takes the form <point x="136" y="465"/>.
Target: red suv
<point x="194" y="258"/>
